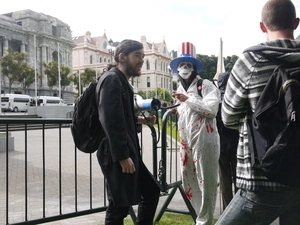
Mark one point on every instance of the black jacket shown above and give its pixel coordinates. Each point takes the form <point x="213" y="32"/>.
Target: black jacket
<point x="116" y="114"/>
<point x="228" y="137"/>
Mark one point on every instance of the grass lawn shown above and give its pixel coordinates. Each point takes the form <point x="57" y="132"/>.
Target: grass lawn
<point x="169" y="219"/>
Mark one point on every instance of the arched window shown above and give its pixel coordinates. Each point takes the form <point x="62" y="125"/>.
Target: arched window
<point x="55" y="56"/>
<point x="100" y="60"/>
<point x="148" y="82"/>
<point x="91" y="59"/>
<point x="147" y="65"/>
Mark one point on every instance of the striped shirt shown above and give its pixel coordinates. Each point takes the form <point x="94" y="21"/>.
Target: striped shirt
<point x="246" y="82"/>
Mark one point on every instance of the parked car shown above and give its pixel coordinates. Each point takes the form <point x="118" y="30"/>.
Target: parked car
<point x="50" y="100"/>
<point x="15" y="102"/>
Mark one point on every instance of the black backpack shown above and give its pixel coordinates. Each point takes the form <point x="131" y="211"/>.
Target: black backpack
<point x="274" y="136"/>
<point x="86" y="128"/>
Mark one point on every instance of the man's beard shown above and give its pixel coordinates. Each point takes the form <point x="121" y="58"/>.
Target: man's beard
<point x="132" y="71"/>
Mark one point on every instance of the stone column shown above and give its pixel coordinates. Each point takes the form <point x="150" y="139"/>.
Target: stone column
<point x="5" y="46"/>
<point x="44" y="59"/>
<point x="23" y="46"/>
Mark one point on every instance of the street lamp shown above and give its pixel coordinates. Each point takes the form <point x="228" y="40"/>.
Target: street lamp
<point x="35" y="74"/>
<point x="111" y="49"/>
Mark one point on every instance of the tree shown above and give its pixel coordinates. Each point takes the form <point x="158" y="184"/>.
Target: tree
<point x="159" y="93"/>
<point x="16" y="69"/>
<point x="89" y="75"/>
<point x="229" y="62"/>
<point x="65" y="79"/>
<point x="51" y="70"/>
<point x="210" y="65"/>
<point x="27" y="77"/>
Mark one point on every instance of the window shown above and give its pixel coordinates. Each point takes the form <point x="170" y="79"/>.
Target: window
<point x="4" y="99"/>
<point x="147" y="65"/>
<point x="52" y="101"/>
<point x="104" y="45"/>
<point x="100" y="60"/>
<point x="91" y="59"/>
<point x="21" y="99"/>
<point x="55" y="56"/>
<point x="54" y="31"/>
<point x="148" y="82"/>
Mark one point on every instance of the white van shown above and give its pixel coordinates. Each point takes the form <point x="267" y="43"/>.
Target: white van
<point x="15" y="102"/>
<point x="50" y="100"/>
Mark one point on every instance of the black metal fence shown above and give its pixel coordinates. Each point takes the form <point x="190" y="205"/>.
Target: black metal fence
<point x="44" y="178"/>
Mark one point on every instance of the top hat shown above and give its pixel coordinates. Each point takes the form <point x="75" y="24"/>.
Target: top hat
<point x="187" y="52"/>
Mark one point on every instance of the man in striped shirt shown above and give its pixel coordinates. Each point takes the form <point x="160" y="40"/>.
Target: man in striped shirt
<point x="260" y="201"/>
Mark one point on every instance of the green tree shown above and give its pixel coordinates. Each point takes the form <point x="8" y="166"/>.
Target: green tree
<point x="16" y="69"/>
<point x="51" y="70"/>
<point x="87" y="76"/>
<point x="65" y="78"/>
<point x="210" y="65"/>
<point x="229" y="62"/>
<point x="27" y="76"/>
<point x="159" y="93"/>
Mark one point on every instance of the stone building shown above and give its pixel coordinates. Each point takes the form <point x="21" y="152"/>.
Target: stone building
<point x="97" y="52"/>
<point x="25" y="30"/>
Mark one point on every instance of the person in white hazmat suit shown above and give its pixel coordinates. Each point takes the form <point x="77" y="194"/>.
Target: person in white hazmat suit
<point x="199" y="138"/>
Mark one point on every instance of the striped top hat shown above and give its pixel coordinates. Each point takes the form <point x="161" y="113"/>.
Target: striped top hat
<point x="187" y="53"/>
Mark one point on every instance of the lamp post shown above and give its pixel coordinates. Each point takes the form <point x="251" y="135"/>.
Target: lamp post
<point x="0" y="88"/>
<point x="35" y="74"/>
<point x="111" y="49"/>
<point x="58" y="68"/>
<point x="79" y="78"/>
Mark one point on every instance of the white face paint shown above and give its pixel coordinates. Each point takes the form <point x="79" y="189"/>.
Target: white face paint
<point x="185" y="69"/>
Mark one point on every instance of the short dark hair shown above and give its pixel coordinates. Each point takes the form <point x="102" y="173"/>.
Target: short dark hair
<point x="126" y="46"/>
<point x="278" y="15"/>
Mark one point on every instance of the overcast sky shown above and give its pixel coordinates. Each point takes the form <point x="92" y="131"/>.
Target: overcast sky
<point x="201" y="22"/>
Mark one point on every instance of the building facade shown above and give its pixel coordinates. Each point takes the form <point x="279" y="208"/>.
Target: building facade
<point x="31" y="32"/>
<point x="97" y="52"/>
<point x="45" y="39"/>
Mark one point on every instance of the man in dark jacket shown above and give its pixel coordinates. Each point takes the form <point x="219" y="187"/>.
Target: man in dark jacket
<point x="228" y="146"/>
<point x="128" y="180"/>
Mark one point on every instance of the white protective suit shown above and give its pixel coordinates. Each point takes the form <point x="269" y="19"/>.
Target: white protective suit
<point x="199" y="148"/>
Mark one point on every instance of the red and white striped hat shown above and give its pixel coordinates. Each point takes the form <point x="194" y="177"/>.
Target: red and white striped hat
<point x="187" y="53"/>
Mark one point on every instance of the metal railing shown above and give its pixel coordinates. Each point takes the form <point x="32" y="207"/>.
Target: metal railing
<point x="44" y="178"/>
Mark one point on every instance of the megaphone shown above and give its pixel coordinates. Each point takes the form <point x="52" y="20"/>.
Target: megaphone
<point x="141" y="104"/>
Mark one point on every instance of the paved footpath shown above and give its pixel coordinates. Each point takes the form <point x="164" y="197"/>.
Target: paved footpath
<point x="16" y="160"/>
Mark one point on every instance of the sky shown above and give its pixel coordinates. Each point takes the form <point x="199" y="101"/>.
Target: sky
<point x="203" y="23"/>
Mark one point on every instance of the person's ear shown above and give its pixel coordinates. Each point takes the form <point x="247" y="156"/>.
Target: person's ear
<point x="296" y="23"/>
<point x="263" y="27"/>
<point x="121" y="57"/>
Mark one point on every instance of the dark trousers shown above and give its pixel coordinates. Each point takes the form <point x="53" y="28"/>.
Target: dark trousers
<point x="227" y="166"/>
<point x="147" y="206"/>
